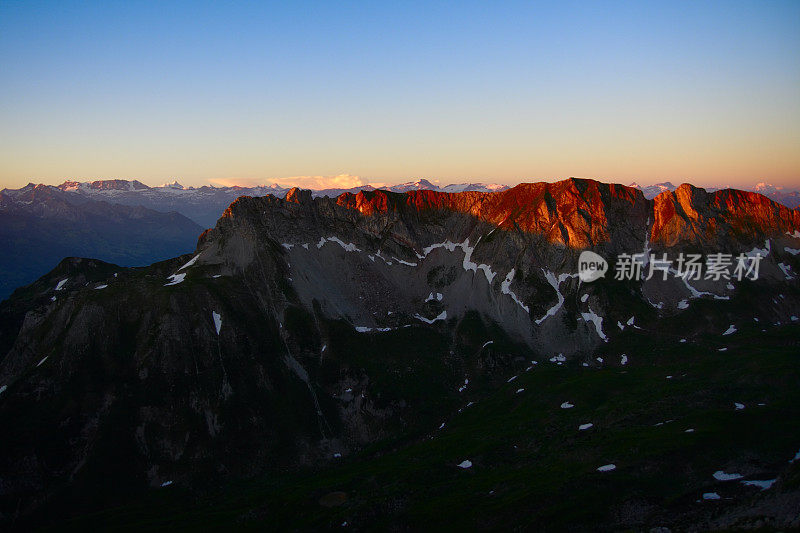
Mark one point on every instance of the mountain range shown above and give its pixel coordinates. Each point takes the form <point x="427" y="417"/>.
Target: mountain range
<point x="414" y="360"/>
<point x="788" y="197"/>
<point x="40" y="225"/>
<point x="204" y="204"/>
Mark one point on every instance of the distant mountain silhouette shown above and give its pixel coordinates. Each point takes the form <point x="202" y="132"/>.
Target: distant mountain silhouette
<point x="40" y="225"/>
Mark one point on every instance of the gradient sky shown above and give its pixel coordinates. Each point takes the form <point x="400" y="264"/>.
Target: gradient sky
<point x="706" y="92"/>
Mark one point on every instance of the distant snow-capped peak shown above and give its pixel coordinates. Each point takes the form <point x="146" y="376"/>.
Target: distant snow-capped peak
<point x="419" y="184"/>
<point x="173" y="185"/>
<point x="423" y="184"/>
<point x="651" y="191"/>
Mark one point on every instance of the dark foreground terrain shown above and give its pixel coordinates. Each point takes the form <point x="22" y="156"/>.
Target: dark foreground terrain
<point x="532" y="468"/>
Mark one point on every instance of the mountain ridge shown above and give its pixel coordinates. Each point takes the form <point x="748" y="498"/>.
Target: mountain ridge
<point x="580" y="212"/>
<point x="783" y="195"/>
<point x="40" y="225"/>
<point x="204" y="204"/>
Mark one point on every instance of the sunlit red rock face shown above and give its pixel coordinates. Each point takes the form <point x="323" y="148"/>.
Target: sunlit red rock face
<point x="582" y="213"/>
<point x="577" y="213"/>
<point x="690" y="215"/>
<point x="574" y="212"/>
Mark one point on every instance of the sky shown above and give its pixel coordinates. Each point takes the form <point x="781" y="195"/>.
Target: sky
<point x="345" y="93"/>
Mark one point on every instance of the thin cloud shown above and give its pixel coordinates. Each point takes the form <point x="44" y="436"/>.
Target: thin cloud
<point x="233" y="182"/>
<point x="341" y="181"/>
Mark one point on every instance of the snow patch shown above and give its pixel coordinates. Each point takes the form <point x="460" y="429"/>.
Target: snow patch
<point x="763" y="252"/>
<point x="730" y="330"/>
<point x="468" y="264"/>
<point x="350" y="247"/>
<point x="100" y="287"/>
<point x="404" y="262"/>
<point x="738" y="406"/>
<point x="710" y="496"/>
<point x="591" y="316"/>
<point x="365" y="329"/>
<point x="719" y="475"/>
<point x="176" y="278"/>
<point x="567" y="405"/>
<point x="555" y="282"/>
<point x="505" y="289"/>
<point x="61" y="284"/>
<point x="583" y="427"/>
<point x="694" y="292"/>
<point x="217" y="320"/>
<point x="623" y="360"/>
<point x="42" y="361"/>
<point x="442" y="316"/>
<point x="761" y="484"/>
<point x="192" y="261"/>
<point x="465" y="464"/>
<point x="584" y="298"/>
<point x="683" y="304"/>
<point x="607" y="468"/>
<point x="438" y="297"/>
<point x="786" y="268"/>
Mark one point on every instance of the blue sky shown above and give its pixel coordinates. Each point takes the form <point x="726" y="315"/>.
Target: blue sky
<point x="707" y="92"/>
